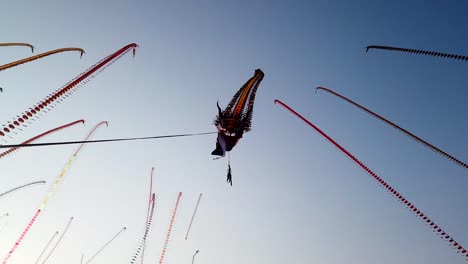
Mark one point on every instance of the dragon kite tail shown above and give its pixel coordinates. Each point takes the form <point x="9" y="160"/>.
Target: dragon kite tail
<point x="239" y="100"/>
<point x="250" y="105"/>
<point x="423" y="52"/>
<point x="240" y="107"/>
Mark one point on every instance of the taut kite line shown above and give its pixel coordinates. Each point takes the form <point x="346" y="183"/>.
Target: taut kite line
<point x="105" y="245"/>
<point x="58" y="241"/>
<point x="434" y="227"/>
<point x="17" y="44"/>
<point x="45" y="248"/>
<point x="423" y="52"/>
<point x="51" y="192"/>
<point x="39" y="56"/>
<point x="11" y="150"/>
<point x="101" y="140"/>
<point x="413" y="136"/>
<point x="66" y="90"/>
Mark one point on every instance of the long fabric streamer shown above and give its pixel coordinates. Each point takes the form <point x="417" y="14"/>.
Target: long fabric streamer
<point x="17" y="44"/>
<point x="413" y="136"/>
<point x="150" y="204"/>
<point x="58" y="241"/>
<point x="141" y="245"/>
<point x="169" y="230"/>
<point x="21" y="187"/>
<point x="29" y="141"/>
<point x="45" y="248"/>
<point x="62" y="93"/>
<point x="193" y="216"/>
<point x="101" y="140"/>
<point x="39" y="56"/>
<point x="50" y="193"/>
<point x="432" y="225"/>
<point x="423" y="52"/>
<point x="103" y="247"/>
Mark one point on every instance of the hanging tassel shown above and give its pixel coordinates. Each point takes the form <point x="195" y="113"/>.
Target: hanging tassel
<point x="229" y="175"/>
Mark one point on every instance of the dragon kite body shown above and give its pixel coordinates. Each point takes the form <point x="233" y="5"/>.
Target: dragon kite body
<point x="236" y="119"/>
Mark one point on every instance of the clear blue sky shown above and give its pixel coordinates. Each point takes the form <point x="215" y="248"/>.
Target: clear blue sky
<point x="295" y="198"/>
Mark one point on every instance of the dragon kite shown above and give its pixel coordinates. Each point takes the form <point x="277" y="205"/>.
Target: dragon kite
<point x="236" y="119"/>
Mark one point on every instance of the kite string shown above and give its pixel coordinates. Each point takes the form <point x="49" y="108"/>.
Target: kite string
<point x="104" y="140"/>
<point x="435" y="228"/>
<point x="193" y="216"/>
<point x="59" y="240"/>
<point x="45" y="248"/>
<point x="169" y="230"/>
<point x="103" y="247"/>
<point x="425" y="143"/>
